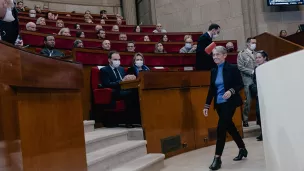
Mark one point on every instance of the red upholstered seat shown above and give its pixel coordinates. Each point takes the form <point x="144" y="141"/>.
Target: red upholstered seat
<point x="103" y="96"/>
<point x="80" y="15"/>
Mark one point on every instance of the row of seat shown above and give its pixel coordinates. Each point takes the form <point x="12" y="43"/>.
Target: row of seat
<point x="65" y="13"/>
<point x="87" y="26"/>
<point x="64" y="42"/>
<point x="91" y="34"/>
<point x="97" y="57"/>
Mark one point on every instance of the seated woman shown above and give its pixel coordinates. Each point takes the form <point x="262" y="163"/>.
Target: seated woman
<point x="147" y="39"/>
<point x="102" y="21"/>
<point x="164" y="38"/>
<point x="187" y="36"/>
<point x="77" y="26"/>
<point x="59" y="23"/>
<point x="138" y="65"/>
<point x="78" y="44"/>
<point x="261" y="58"/>
<point x="80" y="34"/>
<point x="64" y="32"/>
<point x="159" y="48"/>
<point x="88" y="17"/>
<point x="137" y="29"/>
<point x="52" y="16"/>
<point x="41" y="21"/>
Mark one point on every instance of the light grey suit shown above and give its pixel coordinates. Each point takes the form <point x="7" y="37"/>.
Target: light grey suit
<point x="246" y="64"/>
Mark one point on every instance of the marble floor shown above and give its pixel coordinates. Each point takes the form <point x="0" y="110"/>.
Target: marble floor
<point x="199" y="160"/>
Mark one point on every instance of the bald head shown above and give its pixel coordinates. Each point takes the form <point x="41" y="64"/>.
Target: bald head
<point x="115" y="28"/>
<point x="30" y="26"/>
<point x="106" y="45"/>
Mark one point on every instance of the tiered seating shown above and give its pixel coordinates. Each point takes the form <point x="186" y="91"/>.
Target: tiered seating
<point x="65" y="13"/>
<point x="91" y="34"/>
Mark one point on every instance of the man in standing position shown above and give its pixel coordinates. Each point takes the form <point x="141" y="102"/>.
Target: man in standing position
<point x="9" y="26"/>
<point x="246" y="65"/>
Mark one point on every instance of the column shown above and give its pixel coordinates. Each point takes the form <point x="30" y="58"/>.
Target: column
<point x="129" y="10"/>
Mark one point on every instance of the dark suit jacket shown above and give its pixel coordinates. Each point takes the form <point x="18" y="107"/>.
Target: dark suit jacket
<point x="232" y="82"/>
<point x="108" y="78"/>
<point x="203" y="60"/>
<point x="56" y="53"/>
<point x="10" y="30"/>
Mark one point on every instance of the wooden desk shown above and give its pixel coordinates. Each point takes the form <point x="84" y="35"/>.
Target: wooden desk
<point x="171" y="109"/>
<point x="41" y="119"/>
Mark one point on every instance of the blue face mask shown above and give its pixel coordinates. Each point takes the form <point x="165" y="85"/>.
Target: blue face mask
<point x="188" y="46"/>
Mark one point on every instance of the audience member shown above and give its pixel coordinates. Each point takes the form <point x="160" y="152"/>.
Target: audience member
<point x="20" y="6"/>
<point x="78" y="44"/>
<point x="103" y="14"/>
<point x="48" y="50"/>
<point x="77" y="26"/>
<point x="102" y="21"/>
<point x="9" y="25"/>
<point x="111" y="76"/>
<point x="119" y="16"/>
<point x="230" y="47"/>
<point x="30" y="26"/>
<point x="98" y="27"/>
<point x="189" y="47"/>
<point x="32" y="13"/>
<point x="38" y="9"/>
<point x="106" y="45"/>
<point x="187" y="36"/>
<point x="41" y="21"/>
<point x="159" y="48"/>
<point x="246" y="64"/>
<point x="101" y="34"/>
<point x="59" y="23"/>
<point x="52" y="16"/>
<point x="19" y="42"/>
<point x="164" y="38"/>
<point x="131" y="46"/>
<point x="119" y="21"/>
<point x="138" y="65"/>
<point x="64" y="32"/>
<point x="283" y="34"/>
<point x="204" y="61"/>
<point x="88" y="17"/>
<point x="146" y="39"/>
<point x="159" y="29"/>
<point x="123" y="37"/>
<point x="80" y="34"/>
<point x="137" y="29"/>
<point x="115" y="28"/>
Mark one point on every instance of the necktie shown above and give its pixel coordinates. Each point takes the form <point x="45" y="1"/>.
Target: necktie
<point x="117" y="74"/>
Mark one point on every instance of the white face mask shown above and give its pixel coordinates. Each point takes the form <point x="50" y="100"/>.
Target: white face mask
<point x="33" y="15"/>
<point x="139" y="63"/>
<point x="188" y="45"/>
<point x="252" y="46"/>
<point x="116" y="64"/>
<point x="8" y="16"/>
<point x="215" y="36"/>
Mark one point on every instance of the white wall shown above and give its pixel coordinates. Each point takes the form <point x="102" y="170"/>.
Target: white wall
<point x="281" y="95"/>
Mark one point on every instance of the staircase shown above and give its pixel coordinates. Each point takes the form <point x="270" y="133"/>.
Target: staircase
<point x="118" y="149"/>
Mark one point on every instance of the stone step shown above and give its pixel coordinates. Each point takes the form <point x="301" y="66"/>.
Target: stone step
<point x="149" y="162"/>
<point x="104" y="137"/>
<point x="134" y="133"/>
<point x="253" y="130"/>
<point x="113" y="156"/>
<point x="88" y="126"/>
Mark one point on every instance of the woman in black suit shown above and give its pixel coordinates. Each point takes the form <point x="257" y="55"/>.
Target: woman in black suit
<point x="225" y="84"/>
<point x="138" y="65"/>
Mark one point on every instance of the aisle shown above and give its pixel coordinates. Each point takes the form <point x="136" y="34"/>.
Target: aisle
<point x="200" y="160"/>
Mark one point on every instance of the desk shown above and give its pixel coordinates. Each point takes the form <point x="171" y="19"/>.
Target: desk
<point x="171" y="109"/>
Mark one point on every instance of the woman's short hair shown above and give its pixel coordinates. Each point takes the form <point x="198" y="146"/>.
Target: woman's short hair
<point x="220" y="49"/>
<point x="136" y="28"/>
<point x="59" y="21"/>
<point x="76" y="42"/>
<point x="39" y="20"/>
<point x="138" y="54"/>
<point x="75" y="26"/>
<point x="264" y="54"/>
<point x="63" y="29"/>
<point x="78" y="33"/>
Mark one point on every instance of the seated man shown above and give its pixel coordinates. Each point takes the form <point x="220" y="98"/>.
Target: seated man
<point x="98" y="27"/>
<point x="111" y="76"/>
<point x="159" y="29"/>
<point x="20" y="6"/>
<point x="115" y="28"/>
<point x="32" y="13"/>
<point x="189" y="47"/>
<point x="230" y="47"/>
<point x="101" y="34"/>
<point x="123" y="37"/>
<point x="30" y="26"/>
<point x="119" y="21"/>
<point x="48" y="50"/>
<point x="131" y="47"/>
<point x="106" y="45"/>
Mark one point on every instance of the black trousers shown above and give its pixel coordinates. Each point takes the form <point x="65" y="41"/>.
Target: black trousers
<point x="225" y="124"/>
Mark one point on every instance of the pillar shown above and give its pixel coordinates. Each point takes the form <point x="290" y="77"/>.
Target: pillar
<point x="129" y="11"/>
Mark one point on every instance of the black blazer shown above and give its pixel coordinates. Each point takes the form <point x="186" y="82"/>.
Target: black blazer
<point x="108" y="78"/>
<point x="204" y="61"/>
<point x="232" y="82"/>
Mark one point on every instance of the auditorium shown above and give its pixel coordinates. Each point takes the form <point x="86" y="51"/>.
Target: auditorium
<point x="151" y="85"/>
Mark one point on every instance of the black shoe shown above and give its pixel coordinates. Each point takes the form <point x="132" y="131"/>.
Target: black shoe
<point x="245" y="124"/>
<point x="216" y="164"/>
<point x="260" y="138"/>
<point x="242" y="153"/>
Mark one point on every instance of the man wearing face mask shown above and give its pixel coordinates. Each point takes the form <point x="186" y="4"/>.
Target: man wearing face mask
<point x="246" y="64"/>
<point x="188" y="48"/>
<point x="204" y="61"/>
<point x="230" y="47"/>
<point x="9" y="25"/>
<point x="111" y="76"/>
